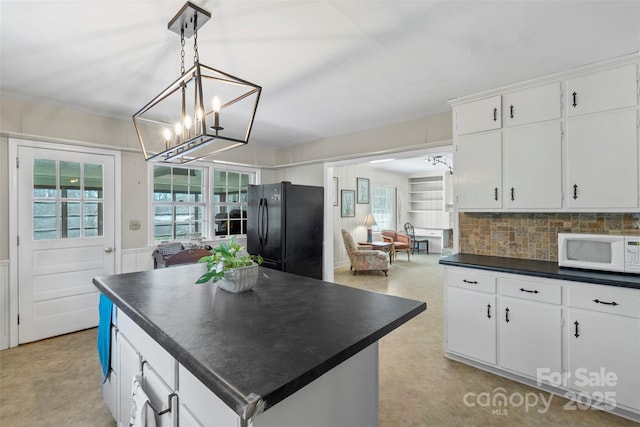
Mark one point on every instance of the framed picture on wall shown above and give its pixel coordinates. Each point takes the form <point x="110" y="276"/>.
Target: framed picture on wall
<point x="348" y="207"/>
<point x="335" y="191"/>
<point x="362" y="184"/>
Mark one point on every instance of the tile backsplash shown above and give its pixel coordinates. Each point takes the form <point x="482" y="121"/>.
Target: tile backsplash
<point x="535" y="235"/>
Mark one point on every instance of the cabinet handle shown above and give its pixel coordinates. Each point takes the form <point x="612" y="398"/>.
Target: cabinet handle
<point x="575" y="96"/>
<point x="506" y="314"/>
<point x="489" y="311"/>
<point x="575" y="191"/>
<point x="495" y="194"/>
<point x="535" y="291"/>
<point x="613" y="303"/>
<point x="470" y="282"/>
<point x="577" y="334"/>
<point x="511" y="111"/>
<point x="495" y="114"/>
<point x="513" y="192"/>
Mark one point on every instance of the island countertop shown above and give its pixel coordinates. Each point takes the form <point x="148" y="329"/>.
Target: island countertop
<point x="269" y="342"/>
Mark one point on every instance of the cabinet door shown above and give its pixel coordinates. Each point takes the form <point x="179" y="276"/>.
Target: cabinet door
<point x="129" y="366"/>
<point x="604" y="356"/>
<point x="477" y="116"/>
<point x="471" y="324"/>
<point x="530" y="336"/>
<point x="478" y="160"/>
<point x="532" y="105"/>
<point x="602" y="161"/>
<point x="532" y="162"/>
<point x="606" y="90"/>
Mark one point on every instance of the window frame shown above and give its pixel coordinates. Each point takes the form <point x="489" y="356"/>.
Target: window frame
<point x="208" y="202"/>
<point x="379" y="227"/>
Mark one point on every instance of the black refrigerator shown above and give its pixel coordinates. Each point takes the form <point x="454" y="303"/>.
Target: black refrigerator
<point x="285" y="225"/>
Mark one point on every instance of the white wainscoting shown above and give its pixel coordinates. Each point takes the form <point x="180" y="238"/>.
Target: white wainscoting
<point x="138" y="259"/>
<point x="4" y="304"/>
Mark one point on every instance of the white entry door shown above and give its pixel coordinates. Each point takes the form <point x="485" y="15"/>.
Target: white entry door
<point x="66" y="237"/>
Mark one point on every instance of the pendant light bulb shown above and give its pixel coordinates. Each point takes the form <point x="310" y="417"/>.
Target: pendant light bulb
<point x="216" y="104"/>
<point x="187" y="122"/>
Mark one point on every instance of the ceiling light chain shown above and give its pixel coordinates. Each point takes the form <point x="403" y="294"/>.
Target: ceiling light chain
<point x="196" y="56"/>
<point x="182" y="70"/>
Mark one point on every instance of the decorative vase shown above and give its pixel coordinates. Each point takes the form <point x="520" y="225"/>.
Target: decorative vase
<point x="239" y="279"/>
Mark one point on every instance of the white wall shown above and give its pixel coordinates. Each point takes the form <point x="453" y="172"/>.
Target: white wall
<point x="355" y="225"/>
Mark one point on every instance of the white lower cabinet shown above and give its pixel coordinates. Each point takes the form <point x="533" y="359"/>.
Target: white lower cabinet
<point x="604" y="346"/>
<point x="579" y="338"/>
<point x="471" y="324"/>
<point x="135" y="353"/>
<point x="530" y="327"/>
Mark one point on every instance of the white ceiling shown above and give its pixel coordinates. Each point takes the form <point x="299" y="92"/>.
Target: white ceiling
<point x="326" y="67"/>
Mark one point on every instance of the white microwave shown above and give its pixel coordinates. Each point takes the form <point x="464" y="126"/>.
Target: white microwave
<point x="599" y="252"/>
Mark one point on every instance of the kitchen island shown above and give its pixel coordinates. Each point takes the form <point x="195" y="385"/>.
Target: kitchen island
<point x="293" y="351"/>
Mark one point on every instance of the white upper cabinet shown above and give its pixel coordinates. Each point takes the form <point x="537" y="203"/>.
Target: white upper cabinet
<point x="478" y="116"/>
<point x="605" y="90"/>
<point x="532" y="105"/>
<point x="478" y="173"/>
<point x="532" y="165"/>
<point x="568" y="142"/>
<point x="602" y="161"/>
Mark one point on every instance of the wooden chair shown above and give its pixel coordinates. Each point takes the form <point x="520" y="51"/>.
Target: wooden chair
<point x="415" y="242"/>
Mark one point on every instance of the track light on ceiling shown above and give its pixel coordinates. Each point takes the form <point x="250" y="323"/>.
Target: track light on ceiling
<point x="204" y="112"/>
<point x="435" y="160"/>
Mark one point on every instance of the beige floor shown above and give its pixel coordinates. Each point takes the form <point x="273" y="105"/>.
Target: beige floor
<point x="55" y="382"/>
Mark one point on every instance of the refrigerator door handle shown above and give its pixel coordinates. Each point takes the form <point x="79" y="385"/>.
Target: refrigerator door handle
<point x="258" y="215"/>
<point x="265" y="225"/>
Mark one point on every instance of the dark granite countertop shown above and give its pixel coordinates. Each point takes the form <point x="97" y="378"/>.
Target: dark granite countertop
<point x="269" y="342"/>
<point x="546" y="269"/>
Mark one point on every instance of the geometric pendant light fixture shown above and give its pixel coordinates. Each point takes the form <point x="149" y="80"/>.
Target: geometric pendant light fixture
<point x="205" y="111"/>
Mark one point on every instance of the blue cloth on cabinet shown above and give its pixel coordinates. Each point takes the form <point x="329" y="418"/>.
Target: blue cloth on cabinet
<point x="105" y="309"/>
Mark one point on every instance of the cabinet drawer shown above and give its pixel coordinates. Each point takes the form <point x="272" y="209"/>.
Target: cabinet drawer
<point x="431" y="233"/>
<point x="533" y="291"/>
<point x="471" y="280"/>
<point x="605" y="300"/>
<point x="161" y="361"/>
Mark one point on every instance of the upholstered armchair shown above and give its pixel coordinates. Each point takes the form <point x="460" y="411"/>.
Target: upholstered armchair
<point x="364" y="259"/>
<point x="401" y="242"/>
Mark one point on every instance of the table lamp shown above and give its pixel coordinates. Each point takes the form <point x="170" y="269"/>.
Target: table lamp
<point x="369" y="220"/>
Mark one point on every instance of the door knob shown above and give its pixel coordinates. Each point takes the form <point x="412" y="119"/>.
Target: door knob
<point x="108" y="249"/>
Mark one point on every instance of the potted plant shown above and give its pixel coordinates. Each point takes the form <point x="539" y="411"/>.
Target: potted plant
<point x="231" y="267"/>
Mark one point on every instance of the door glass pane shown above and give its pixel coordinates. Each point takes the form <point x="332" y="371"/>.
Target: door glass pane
<point x="93" y="219"/>
<point x="44" y="220"/>
<point x="44" y="178"/>
<point x="92" y="181"/>
<point x="70" y="180"/>
<point x="70" y="220"/>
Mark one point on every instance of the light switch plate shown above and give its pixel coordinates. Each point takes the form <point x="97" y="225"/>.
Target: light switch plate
<point x="134" y="224"/>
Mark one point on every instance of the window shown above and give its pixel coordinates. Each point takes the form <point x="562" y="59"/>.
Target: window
<point x="187" y="204"/>
<point x="230" y="199"/>
<point x="382" y="207"/>
<point x="179" y="208"/>
<point x="67" y="199"/>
